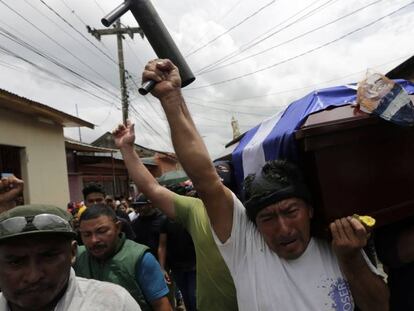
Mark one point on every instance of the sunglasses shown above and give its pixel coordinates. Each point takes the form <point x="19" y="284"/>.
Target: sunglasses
<point x="42" y="222"/>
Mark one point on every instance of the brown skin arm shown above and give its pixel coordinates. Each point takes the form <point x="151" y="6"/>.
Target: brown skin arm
<point x="369" y="290"/>
<point x="160" y="196"/>
<point x="162" y="256"/>
<point x="161" y="304"/>
<point x="190" y="148"/>
<point x="10" y="189"/>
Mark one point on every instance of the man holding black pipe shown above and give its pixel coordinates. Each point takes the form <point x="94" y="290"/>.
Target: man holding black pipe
<point x="273" y="259"/>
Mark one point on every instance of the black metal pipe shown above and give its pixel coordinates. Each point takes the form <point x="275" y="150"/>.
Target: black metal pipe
<point x="157" y="35"/>
<point x="116" y="13"/>
<point x="146" y="87"/>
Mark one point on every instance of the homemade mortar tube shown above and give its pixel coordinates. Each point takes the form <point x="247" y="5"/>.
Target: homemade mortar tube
<point x="157" y="35"/>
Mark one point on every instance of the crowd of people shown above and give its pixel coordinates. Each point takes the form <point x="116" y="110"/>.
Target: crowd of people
<point x="224" y="252"/>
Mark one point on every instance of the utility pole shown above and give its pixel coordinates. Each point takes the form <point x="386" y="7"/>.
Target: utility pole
<point x="119" y="32"/>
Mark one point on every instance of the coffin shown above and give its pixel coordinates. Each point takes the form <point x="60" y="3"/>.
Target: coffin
<point x="357" y="163"/>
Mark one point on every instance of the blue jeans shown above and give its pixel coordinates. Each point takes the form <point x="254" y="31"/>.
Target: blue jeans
<point x="186" y="282"/>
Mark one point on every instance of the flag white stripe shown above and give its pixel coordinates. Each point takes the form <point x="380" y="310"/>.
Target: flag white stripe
<point x="253" y="154"/>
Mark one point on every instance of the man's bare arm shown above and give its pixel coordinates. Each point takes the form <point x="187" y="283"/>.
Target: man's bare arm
<point x="369" y="290"/>
<point x="160" y="196"/>
<point x="190" y="148"/>
<point x="162" y="256"/>
<point x="10" y="189"/>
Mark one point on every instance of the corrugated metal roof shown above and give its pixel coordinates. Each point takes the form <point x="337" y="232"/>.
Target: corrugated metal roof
<point x="43" y="112"/>
<point x="84" y="147"/>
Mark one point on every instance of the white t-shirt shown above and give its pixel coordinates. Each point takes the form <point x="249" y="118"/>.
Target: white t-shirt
<point x="133" y="215"/>
<point x="90" y="295"/>
<point x="265" y="282"/>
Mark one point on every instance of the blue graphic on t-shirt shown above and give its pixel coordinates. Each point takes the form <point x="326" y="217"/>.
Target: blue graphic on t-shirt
<point x="341" y="296"/>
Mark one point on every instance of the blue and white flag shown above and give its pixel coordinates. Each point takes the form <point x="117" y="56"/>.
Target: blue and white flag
<point x="274" y="137"/>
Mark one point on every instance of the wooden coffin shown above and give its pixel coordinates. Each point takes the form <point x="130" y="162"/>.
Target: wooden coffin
<point x="357" y="163"/>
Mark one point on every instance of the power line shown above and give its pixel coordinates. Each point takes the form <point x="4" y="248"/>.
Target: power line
<point x="84" y="23"/>
<point x="255" y="41"/>
<point x="73" y="12"/>
<point x="107" y="115"/>
<point x="231" y="9"/>
<point x="231" y="28"/>
<point x="67" y="50"/>
<point x="135" y="54"/>
<point x="238" y="100"/>
<point x="77" y="31"/>
<point x="161" y="126"/>
<point x="227" y="110"/>
<point x="302" y="54"/>
<point x="51" y="73"/>
<point x="62" y="29"/>
<point x="51" y="59"/>
<point x="102" y="10"/>
<point x="292" y="39"/>
<point x="14" y="38"/>
<point x="146" y="124"/>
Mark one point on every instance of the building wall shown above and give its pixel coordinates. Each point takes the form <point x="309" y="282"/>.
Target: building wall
<point x="43" y="159"/>
<point x="165" y="164"/>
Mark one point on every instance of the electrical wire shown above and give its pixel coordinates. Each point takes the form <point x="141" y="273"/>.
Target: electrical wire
<point x="97" y="4"/>
<point x="231" y="28"/>
<point x="256" y="41"/>
<point x="73" y="12"/>
<point x="69" y="51"/>
<point x="62" y="29"/>
<point x="301" y="54"/>
<point x="204" y="35"/>
<point x="77" y="31"/>
<point x="147" y="125"/>
<point x="51" y="73"/>
<point x="294" y="38"/>
<point x="10" y="36"/>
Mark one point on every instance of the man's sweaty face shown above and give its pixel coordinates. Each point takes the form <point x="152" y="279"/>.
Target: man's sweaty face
<point x="34" y="270"/>
<point x="285" y="227"/>
<point x="100" y="236"/>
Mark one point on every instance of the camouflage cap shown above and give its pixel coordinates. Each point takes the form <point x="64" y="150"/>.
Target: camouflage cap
<point x="35" y="219"/>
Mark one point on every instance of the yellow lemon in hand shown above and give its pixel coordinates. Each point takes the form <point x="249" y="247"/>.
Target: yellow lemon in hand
<point x="367" y="221"/>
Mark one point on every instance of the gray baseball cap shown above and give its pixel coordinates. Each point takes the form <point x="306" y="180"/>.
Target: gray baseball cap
<point x="34" y="219"/>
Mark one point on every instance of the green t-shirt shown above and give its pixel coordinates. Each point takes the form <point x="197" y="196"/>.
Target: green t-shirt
<point x="215" y="287"/>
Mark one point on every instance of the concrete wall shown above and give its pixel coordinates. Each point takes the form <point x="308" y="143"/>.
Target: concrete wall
<point x="43" y="158"/>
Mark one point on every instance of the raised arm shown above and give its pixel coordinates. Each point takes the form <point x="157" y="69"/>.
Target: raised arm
<point x="160" y="196"/>
<point x="369" y="290"/>
<point x="10" y="189"/>
<point x="190" y="148"/>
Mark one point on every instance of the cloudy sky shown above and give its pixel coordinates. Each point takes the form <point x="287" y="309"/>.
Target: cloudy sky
<point x="250" y="58"/>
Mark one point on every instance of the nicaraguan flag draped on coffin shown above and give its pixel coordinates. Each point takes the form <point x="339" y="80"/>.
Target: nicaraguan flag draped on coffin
<point x="274" y="137"/>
